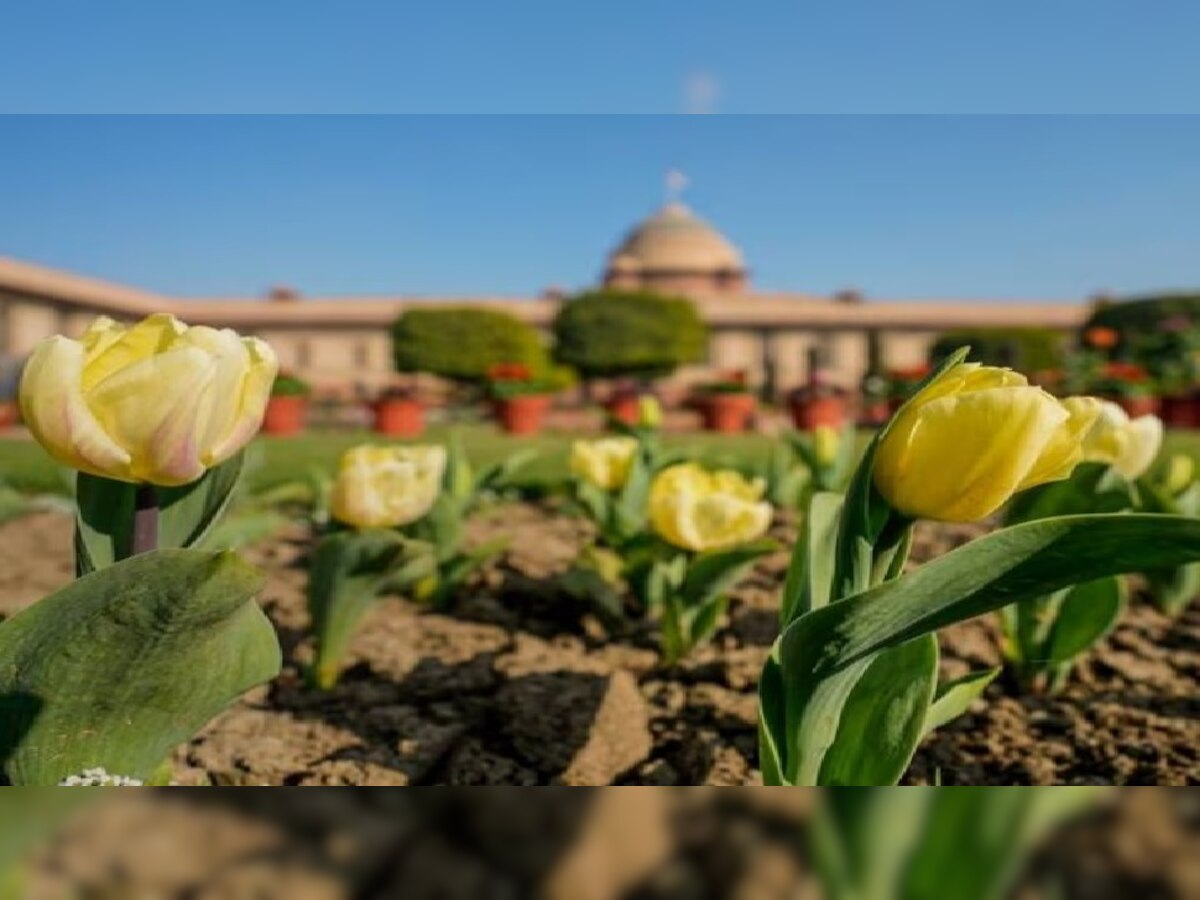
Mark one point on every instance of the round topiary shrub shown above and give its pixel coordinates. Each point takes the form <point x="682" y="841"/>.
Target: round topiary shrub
<point x="464" y="343"/>
<point x="609" y="334"/>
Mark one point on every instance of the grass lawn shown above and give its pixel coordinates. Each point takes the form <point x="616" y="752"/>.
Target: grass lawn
<point x="24" y="465"/>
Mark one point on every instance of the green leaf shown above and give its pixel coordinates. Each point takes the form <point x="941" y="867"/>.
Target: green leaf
<point x="975" y="842"/>
<point x="349" y="570"/>
<point x="120" y="666"/>
<point x="824" y="653"/>
<point x="711" y="574"/>
<point x="1173" y="590"/>
<point x="955" y="697"/>
<point x="239" y="529"/>
<point x="1088" y="612"/>
<point x="810" y="572"/>
<point x="885" y="712"/>
<point x="993" y="571"/>
<point x="1092" y="488"/>
<point x="772" y="721"/>
<point x="104" y="525"/>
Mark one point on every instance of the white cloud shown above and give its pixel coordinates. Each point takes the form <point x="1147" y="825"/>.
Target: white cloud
<point x="701" y="91"/>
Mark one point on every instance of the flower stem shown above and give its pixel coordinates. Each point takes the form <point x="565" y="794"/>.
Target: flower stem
<point x="145" y="519"/>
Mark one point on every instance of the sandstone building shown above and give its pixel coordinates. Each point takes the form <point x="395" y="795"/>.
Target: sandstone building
<point x="340" y="342"/>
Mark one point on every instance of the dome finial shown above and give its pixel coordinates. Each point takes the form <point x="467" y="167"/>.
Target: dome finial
<point x="675" y="184"/>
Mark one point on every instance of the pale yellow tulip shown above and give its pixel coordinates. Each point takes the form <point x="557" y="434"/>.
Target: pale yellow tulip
<point x="386" y="487"/>
<point x="1128" y="445"/>
<point x="967" y="442"/>
<point x="698" y="510"/>
<point x="604" y="462"/>
<point x="158" y="402"/>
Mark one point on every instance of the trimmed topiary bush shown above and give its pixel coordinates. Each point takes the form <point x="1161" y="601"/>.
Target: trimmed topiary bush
<point x="1026" y="349"/>
<point x="609" y="334"/>
<point x="464" y="343"/>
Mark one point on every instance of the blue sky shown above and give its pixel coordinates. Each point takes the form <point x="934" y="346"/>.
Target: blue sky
<point x="966" y="56"/>
<point x="898" y="206"/>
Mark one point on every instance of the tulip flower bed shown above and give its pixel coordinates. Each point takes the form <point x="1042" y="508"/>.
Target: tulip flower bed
<point x="996" y="589"/>
<point x="515" y="686"/>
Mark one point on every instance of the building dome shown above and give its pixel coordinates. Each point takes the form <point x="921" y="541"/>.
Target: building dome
<point x="676" y="238"/>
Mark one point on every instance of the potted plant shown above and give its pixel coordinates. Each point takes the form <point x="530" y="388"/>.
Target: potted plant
<point x="287" y="407"/>
<point x="727" y="404"/>
<point x="903" y="383"/>
<point x="874" y="407"/>
<point x="624" y="404"/>
<point x="520" y="396"/>
<point x="1171" y="353"/>
<point x="818" y="403"/>
<point x="1128" y="385"/>
<point x="398" y="413"/>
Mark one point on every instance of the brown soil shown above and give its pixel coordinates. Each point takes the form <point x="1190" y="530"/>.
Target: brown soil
<point x="518" y="685"/>
<point x="693" y="844"/>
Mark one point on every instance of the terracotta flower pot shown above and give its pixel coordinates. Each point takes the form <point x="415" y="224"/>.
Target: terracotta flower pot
<point x="9" y="414"/>
<point x="728" y="413"/>
<point x="624" y="407"/>
<point x="809" y="413"/>
<point x="874" y="412"/>
<point x="1140" y="405"/>
<point x="522" y="414"/>
<point x="399" y="417"/>
<point x="285" y="415"/>
<point x="1181" y="411"/>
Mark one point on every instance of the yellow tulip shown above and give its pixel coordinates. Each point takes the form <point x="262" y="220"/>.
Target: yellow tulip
<point x="1128" y="445"/>
<point x="386" y="487"/>
<point x="966" y="443"/>
<point x="649" y="411"/>
<point x="158" y="402"/>
<point x="694" y="509"/>
<point x="825" y="444"/>
<point x="1181" y="472"/>
<point x="604" y="462"/>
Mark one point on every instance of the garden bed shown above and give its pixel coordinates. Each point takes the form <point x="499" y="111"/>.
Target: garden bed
<point x="518" y="686"/>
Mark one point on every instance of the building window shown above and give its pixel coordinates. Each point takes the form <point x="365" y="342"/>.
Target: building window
<point x="303" y="353"/>
<point x="362" y="354"/>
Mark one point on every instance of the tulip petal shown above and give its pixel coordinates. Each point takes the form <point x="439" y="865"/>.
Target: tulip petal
<point x="960" y="457"/>
<point x="1145" y="440"/>
<point x="1065" y="449"/>
<point x="58" y="416"/>
<point x="158" y="408"/>
<point x="250" y="401"/>
<point x="387" y="487"/>
<point x="232" y="360"/>
<point x="604" y="462"/>
<point x="152" y="335"/>
<point x="697" y="510"/>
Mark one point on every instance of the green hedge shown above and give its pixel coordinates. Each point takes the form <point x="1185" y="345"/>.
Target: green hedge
<point x="1143" y="314"/>
<point x="1026" y="349"/>
<point x="463" y="343"/>
<point x="604" y="334"/>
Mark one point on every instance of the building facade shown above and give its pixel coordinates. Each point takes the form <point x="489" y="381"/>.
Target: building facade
<point x="342" y="343"/>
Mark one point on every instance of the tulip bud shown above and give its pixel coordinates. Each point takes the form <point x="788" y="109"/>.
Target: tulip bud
<point x="825" y="444"/>
<point x="158" y="403"/>
<point x="1129" y="446"/>
<point x="1181" y="472"/>
<point x="694" y="509"/>
<point x="386" y="487"/>
<point x="604" y="462"/>
<point x="649" y="411"/>
<point x="967" y="442"/>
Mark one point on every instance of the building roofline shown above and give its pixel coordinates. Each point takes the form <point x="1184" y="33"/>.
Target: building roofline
<point x="749" y="310"/>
